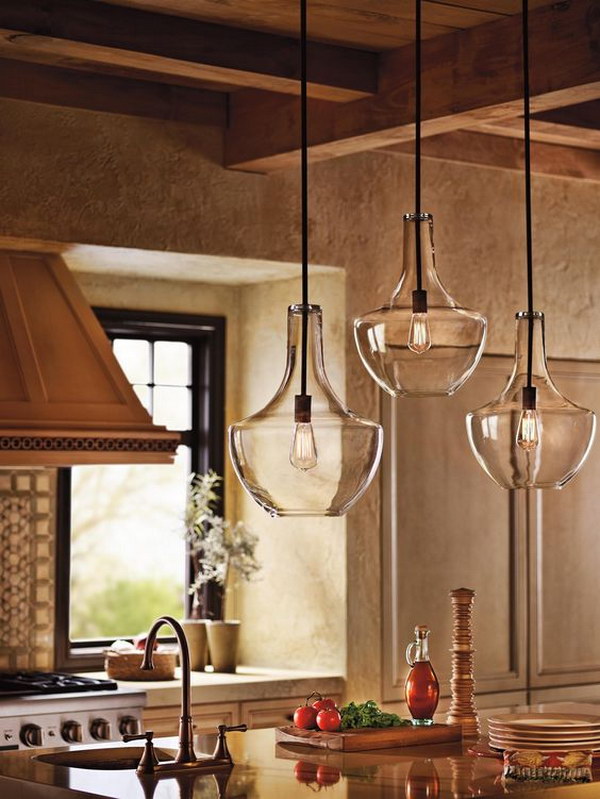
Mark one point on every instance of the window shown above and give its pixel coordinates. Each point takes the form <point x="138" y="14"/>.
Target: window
<point x="121" y="557"/>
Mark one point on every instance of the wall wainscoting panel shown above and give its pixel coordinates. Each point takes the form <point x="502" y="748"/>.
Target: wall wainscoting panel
<point x="27" y="525"/>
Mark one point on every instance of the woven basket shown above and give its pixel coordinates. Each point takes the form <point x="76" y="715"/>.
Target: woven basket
<point x="126" y="666"/>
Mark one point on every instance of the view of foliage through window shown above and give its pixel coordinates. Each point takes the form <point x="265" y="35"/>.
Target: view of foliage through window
<point x="127" y="546"/>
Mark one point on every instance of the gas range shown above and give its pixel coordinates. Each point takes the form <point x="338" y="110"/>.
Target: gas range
<point x="39" y="709"/>
<point x="24" y="683"/>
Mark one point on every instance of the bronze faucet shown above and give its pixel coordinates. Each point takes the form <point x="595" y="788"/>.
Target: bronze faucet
<point x="186" y="757"/>
<point x="221" y="759"/>
<point x="186" y="752"/>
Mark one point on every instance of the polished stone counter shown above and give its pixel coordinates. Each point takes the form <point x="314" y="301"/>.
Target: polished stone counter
<point x="269" y="771"/>
<point x="247" y="684"/>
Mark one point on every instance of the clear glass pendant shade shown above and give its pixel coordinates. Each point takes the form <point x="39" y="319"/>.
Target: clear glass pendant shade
<point x="539" y="447"/>
<point x="424" y="354"/>
<point x="318" y="465"/>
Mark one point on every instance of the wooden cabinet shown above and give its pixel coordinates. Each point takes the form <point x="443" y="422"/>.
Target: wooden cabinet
<point x="272" y="712"/>
<point x="165" y="720"/>
<point x="256" y="714"/>
<point x="532" y="557"/>
<point x="564" y="545"/>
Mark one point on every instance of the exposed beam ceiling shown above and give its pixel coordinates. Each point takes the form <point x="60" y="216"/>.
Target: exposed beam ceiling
<point x="574" y="126"/>
<point x="64" y="87"/>
<point x="156" y="58"/>
<point x="470" y="77"/>
<point x="468" y="147"/>
<point x="370" y="24"/>
<point x="83" y="34"/>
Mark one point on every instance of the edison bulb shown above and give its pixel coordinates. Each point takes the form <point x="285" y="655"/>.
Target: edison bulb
<point x="419" y="335"/>
<point x="303" y="452"/>
<point x="528" y="436"/>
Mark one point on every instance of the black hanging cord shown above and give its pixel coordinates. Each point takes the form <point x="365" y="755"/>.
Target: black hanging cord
<point x="528" y="211"/>
<point x="304" y="188"/>
<point x="418" y="114"/>
<point x="419" y="296"/>
<point x="302" y="410"/>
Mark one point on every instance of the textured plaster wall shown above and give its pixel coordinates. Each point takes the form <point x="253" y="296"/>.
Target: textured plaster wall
<point x="295" y="615"/>
<point x="77" y="176"/>
<point x="156" y="185"/>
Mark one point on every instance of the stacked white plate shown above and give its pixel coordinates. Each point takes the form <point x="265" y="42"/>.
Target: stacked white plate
<point x="545" y="732"/>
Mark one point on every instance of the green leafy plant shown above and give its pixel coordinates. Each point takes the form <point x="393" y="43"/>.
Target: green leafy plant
<point x="368" y="714"/>
<point x="219" y="549"/>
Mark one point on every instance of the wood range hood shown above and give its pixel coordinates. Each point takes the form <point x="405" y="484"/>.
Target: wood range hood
<point x="64" y="399"/>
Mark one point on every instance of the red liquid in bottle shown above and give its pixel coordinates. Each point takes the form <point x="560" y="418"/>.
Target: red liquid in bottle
<point x="422" y="690"/>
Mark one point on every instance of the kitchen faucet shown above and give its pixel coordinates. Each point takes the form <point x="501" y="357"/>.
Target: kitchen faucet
<point x="186" y="752"/>
<point x="186" y="757"/>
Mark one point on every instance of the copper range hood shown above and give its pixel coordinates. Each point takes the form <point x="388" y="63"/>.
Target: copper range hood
<point x="64" y="399"/>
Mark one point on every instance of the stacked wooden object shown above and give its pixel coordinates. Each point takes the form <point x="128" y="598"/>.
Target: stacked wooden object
<point x="462" y="708"/>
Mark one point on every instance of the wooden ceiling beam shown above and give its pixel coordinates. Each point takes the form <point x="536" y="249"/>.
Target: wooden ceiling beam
<point x="470" y="77"/>
<point x="89" y="35"/>
<point x="64" y="87"/>
<point x="482" y="149"/>
<point x="548" y="132"/>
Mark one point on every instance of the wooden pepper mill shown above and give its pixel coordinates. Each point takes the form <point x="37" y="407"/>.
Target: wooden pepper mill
<point x="462" y="685"/>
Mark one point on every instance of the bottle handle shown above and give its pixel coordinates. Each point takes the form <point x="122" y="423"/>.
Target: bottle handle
<point x="409" y="657"/>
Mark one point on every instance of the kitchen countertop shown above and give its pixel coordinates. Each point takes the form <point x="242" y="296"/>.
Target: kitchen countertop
<point x="247" y="684"/>
<point x="266" y="771"/>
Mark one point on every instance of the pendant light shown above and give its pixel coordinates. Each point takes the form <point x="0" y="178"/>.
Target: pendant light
<point x="423" y="343"/>
<point x="530" y="436"/>
<point x="305" y="453"/>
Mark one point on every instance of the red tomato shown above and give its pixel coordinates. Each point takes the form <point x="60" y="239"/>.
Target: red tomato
<point x="324" y="704"/>
<point x="329" y="720"/>
<point x="305" y="772"/>
<point x="305" y="717"/>
<point x="328" y="775"/>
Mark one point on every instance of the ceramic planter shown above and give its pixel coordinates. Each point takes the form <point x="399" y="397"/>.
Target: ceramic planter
<point x="195" y="632"/>
<point x="223" y="639"/>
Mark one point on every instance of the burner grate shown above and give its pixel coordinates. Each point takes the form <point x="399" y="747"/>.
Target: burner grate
<point x="23" y="683"/>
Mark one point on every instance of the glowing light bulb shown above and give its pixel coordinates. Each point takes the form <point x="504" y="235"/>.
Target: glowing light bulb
<point x="303" y="452"/>
<point x="419" y="335"/>
<point x="528" y="436"/>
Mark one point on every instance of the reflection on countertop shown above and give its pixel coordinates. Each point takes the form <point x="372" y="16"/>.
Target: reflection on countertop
<point x="268" y="771"/>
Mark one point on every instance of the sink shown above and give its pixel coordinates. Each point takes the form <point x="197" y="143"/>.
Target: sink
<point x="122" y="757"/>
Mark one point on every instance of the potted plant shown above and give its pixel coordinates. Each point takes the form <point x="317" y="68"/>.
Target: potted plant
<point x="220" y="552"/>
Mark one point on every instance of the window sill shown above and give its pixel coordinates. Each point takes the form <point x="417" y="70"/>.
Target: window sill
<point x="247" y="684"/>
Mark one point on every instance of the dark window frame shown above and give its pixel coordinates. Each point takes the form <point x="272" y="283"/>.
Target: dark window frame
<point x="207" y="336"/>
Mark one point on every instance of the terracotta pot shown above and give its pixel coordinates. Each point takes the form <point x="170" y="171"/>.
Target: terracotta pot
<point x="195" y="632"/>
<point x="223" y="637"/>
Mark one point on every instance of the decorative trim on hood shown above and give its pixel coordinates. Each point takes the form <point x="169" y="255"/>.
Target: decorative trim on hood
<point x="64" y="399"/>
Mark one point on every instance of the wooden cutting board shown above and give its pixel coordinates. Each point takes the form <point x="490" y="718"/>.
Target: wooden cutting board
<point x="371" y="738"/>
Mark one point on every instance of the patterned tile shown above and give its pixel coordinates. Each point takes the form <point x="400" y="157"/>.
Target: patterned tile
<point x="27" y="513"/>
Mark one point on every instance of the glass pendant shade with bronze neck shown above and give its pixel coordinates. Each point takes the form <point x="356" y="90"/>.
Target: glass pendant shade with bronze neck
<point x="305" y="453"/>
<point x="423" y="343"/>
<point x="526" y="439"/>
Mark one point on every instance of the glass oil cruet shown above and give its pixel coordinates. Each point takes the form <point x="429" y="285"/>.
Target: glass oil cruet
<point x="422" y="689"/>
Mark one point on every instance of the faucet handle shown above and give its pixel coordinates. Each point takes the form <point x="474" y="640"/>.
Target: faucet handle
<point x="148" y="759"/>
<point x="237" y="728"/>
<point x="142" y="736"/>
<point x="221" y="749"/>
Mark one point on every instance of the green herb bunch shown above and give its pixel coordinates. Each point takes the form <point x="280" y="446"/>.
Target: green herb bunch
<point x="368" y="714"/>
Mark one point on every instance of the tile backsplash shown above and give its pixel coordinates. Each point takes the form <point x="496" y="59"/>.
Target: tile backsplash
<point x="27" y="525"/>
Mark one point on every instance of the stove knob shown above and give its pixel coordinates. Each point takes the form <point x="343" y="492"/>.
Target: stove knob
<point x="100" y="729"/>
<point x="72" y="732"/>
<point x="31" y="735"/>
<point x="129" y="725"/>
